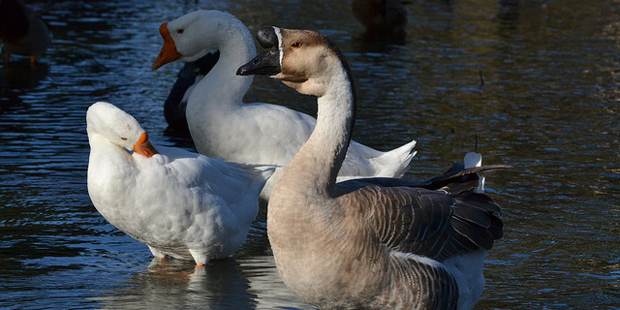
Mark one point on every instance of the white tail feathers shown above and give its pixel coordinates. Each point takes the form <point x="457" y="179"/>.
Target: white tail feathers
<point x="366" y="162"/>
<point x="259" y="171"/>
<point x="396" y="162"/>
<point x="473" y="159"/>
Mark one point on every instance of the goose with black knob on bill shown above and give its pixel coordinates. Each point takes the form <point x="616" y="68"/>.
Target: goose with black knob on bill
<point x="376" y="243"/>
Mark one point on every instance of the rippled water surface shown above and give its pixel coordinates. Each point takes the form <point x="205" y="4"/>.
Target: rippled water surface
<point x="532" y="84"/>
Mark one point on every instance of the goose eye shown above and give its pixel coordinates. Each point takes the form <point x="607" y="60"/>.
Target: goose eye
<point x="180" y="31"/>
<point x="296" y="45"/>
<point x="123" y="138"/>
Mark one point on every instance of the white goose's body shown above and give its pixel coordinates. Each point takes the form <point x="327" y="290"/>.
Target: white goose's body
<point x="221" y="125"/>
<point x="179" y="203"/>
<point x="377" y="243"/>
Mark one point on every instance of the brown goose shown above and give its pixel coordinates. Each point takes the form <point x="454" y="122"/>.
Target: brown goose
<point x="377" y="243"/>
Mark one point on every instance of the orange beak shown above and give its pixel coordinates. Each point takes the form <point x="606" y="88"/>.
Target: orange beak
<point x="169" y="51"/>
<point x="144" y="147"/>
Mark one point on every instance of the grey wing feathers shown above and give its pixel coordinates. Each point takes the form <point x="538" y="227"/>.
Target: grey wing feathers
<point x="436" y="223"/>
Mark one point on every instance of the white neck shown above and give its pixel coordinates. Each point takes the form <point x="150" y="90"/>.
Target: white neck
<point x="105" y="157"/>
<point x="222" y="87"/>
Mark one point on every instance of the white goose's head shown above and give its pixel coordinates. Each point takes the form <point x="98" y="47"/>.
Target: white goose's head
<point x="302" y="59"/>
<point x="191" y="36"/>
<point x="119" y="128"/>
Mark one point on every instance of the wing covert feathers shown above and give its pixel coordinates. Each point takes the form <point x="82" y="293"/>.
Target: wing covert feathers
<point x="445" y="218"/>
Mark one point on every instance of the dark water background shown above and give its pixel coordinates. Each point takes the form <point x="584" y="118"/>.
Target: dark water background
<point x="533" y="84"/>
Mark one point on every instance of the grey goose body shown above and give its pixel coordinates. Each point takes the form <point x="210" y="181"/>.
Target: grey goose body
<point x="377" y="243"/>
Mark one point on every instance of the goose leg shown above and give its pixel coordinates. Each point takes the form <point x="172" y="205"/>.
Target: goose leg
<point x="157" y="253"/>
<point x="199" y="257"/>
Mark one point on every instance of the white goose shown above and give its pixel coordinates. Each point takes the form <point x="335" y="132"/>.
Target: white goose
<point x="180" y="204"/>
<point x="221" y="125"/>
<point x="377" y="243"/>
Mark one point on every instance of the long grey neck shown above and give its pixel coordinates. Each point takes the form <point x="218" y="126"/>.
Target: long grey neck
<point x="324" y="152"/>
<point x="236" y="48"/>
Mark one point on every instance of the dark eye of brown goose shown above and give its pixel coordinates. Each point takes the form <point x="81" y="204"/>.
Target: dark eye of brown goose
<point x="296" y="45"/>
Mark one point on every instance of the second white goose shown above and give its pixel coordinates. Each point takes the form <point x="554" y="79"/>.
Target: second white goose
<point x="221" y="125"/>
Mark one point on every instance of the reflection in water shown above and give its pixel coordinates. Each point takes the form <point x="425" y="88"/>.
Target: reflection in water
<point x="244" y="283"/>
<point x="21" y="75"/>
<point x="16" y="80"/>
<point x="549" y="107"/>
<point x="174" y="284"/>
<point x="265" y="282"/>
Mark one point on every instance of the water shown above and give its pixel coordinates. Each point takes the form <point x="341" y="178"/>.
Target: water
<point x="533" y="84"/>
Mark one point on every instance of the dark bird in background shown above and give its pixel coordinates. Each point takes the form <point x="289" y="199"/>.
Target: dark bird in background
<point x="382" y="18"/>
<point x="22" y="31"/>
<point x="188" y="77"/>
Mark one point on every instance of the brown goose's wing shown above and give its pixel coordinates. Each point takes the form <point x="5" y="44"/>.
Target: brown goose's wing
<point x="432" y="223"/>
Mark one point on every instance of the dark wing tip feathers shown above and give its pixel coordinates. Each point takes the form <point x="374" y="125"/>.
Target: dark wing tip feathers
<point x="457" y="175"/>
<point x="476" y="220"/>
<point x="438" y="218"/>
<point x="476" y="217"/>
<point x="456" y="219"/>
